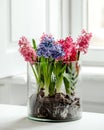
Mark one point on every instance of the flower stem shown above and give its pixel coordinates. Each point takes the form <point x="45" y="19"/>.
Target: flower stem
<point x="34" y="73"/>
<point x="78" y="55"/>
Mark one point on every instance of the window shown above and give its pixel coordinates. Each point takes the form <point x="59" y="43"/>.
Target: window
<point x="61" y="18"/>
<point x="96" y="22"/>
<point x="29" y="18"/>
<point x="88" y="14"/>
<point x="94" y="14"/>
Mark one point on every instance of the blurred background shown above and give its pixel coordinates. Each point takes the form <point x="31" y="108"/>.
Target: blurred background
<point x="61" y="18"/>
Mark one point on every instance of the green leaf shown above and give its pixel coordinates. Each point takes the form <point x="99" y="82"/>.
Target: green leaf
<point x="67" y="85"/>
<point x="59" y="83"/>
<point x="34" y="44"/>
<point x="52" y="86"/>
<point x="67" y="76"/>
<point x="71" y="77"/>
<point x="62" y="70"/>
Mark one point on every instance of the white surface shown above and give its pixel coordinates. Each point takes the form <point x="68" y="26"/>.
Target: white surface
<point x="15" y="118"/>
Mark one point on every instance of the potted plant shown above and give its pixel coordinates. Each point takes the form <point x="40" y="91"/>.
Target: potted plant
<point x="53" y="76"/>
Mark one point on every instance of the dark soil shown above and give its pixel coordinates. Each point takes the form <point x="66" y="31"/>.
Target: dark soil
<point x="57" y="107"/>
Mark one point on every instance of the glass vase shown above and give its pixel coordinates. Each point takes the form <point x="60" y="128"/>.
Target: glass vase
<point x="54" y="91"/>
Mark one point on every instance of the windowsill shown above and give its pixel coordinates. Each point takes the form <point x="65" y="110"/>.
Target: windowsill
<point x="17" y="79"/>
<point x="96" y="73"/>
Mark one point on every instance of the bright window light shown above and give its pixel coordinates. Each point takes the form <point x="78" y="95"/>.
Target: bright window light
<point x="96" y="22"/>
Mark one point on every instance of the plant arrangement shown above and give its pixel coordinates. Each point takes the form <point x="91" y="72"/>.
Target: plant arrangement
<point x="55" y="65"/>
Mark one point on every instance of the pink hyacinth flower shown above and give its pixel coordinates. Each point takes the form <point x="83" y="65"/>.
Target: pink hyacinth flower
<point x="23" y="41"/>
<point x="69" y="49"/>
<point x="26" y="50"/>
<point x="83" y="41"/>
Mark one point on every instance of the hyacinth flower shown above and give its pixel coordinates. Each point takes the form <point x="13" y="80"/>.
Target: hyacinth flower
<point x="26" y="50"/>
<point x="54" y="62"/>
<point x="48" y="48"/>
<point x="48" y="52"/>
<point x="69" y="48"/>
<point x="82" y="43"/>
<point x="72" y="52"/>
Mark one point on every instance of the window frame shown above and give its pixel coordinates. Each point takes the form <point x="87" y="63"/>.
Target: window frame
<point x="79" y="12"/>
<point x="95" y="54"/>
